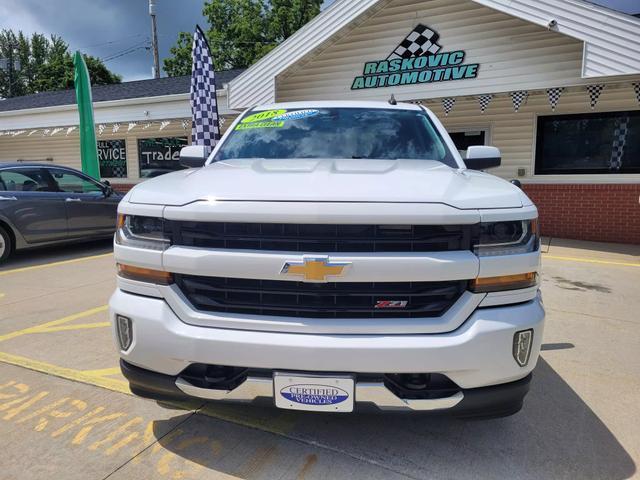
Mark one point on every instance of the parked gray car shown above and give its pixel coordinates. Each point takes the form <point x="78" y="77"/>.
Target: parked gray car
<point x="43" y="204"/>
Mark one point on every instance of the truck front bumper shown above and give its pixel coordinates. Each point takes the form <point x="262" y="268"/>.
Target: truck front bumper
<point x="477" y="357"/>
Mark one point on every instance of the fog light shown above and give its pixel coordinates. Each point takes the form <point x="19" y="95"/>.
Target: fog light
<point x="124" y="328"/>
<point x="522" y="342"/>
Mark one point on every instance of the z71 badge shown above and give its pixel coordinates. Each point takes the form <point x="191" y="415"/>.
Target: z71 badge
<point x="391" y="304"/>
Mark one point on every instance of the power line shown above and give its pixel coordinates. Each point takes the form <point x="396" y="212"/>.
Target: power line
<point x="142" y="47"/>
<point x="111" y="42"/>
<point x="129" y="49"/>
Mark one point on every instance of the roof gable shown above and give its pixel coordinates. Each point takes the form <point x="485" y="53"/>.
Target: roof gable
<point x="611" y="40"/>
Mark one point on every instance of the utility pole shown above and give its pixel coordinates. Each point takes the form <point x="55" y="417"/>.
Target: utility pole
<point x="154" y="39"/>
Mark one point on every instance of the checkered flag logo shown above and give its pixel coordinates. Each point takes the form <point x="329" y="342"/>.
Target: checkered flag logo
<point x="518" y="99"/>
<point x="447" y="104"/>
<point x="484" y="101"/>
<point x="119" y="171"/>
<point x="205" y="129"/>
<point x="636" y="88"/>
<point x="594" y="94"/>
<point x="421" y="41"/>
<point x="619" y="143"/>
<point x="554" y="96"/>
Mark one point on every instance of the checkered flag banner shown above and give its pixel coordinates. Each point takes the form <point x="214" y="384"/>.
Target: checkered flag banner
<point x="519" y="98"/>
<point x="447" y="104"/>
<point x="594" y="94"/>
<point x="421" y="41"/>
<point x="205" y="129"/>
<point x="636" y="88"/>
<point x="484" y="101"/>
<point x="619" y="143"/>
<point x="554" y="96"/>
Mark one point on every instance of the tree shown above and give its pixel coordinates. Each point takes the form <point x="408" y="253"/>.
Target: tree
<point x="45" y="64"/>
<point x="242" y="31"/>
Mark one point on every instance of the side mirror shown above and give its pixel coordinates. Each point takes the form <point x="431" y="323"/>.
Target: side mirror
<point x="193" y="156"/>
<point x="517" y="183"/>
<point x="108" y="189"/>
<point x="480" y="157"/>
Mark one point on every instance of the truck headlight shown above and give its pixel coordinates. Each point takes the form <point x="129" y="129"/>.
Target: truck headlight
<point x="507" y="238"/>
<point x="141" y="232"/>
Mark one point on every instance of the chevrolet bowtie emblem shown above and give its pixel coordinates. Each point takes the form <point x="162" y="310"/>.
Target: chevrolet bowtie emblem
<point x="315" y="269"/>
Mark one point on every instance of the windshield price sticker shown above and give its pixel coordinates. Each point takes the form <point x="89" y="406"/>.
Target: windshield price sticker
<point x="268" y="124"/>
<point x="274" y="118"/>
<point x="297" y="115"/>
<point x="261" y="116"/>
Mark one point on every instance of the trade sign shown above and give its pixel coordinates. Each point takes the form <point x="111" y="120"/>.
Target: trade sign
<point x="417" y="59"/>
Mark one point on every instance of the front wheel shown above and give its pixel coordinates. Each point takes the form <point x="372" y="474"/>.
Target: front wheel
<point x="5" y="245"/>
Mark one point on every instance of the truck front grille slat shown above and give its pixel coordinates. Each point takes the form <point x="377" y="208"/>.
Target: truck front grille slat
<point x="321" y="238"/>
<point x="319" y="300"/>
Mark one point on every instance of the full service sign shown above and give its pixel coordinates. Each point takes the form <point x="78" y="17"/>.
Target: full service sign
<point x="416" y="60"/>
<point x="112" y="157"/>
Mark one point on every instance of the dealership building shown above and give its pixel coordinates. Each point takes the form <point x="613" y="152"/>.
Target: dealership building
<point x="555" y="84"/>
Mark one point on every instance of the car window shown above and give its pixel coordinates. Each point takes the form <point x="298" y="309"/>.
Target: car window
<point x="74" y="183"/>
<point x="24" y="180"/>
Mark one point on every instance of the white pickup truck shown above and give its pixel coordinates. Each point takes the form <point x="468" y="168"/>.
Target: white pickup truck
<point x="328" y="256"/>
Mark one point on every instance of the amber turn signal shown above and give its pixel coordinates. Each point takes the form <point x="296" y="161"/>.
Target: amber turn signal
<point x="505" y="282"/>
<point x="145" y="274"/>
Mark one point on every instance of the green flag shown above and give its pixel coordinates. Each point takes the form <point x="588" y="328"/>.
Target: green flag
<point x="88" y="146"/>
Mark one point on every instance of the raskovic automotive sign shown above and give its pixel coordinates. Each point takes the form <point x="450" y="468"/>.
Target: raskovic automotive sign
<point x="416" y="60"/>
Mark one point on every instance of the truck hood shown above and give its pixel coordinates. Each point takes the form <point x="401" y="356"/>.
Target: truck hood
<point x="330" y="180"/>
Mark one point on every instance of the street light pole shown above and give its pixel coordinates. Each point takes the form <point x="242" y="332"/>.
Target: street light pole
<point x="154" y="39"/>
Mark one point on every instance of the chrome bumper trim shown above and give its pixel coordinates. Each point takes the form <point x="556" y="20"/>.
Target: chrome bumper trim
<point x="366" y="392"/>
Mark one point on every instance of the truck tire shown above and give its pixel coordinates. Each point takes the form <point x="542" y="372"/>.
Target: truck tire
<point x="6" y="244"/>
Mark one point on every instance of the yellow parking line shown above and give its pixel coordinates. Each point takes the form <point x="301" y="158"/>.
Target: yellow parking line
<point x="67" y="373"/>
<point x="55" y="325"/>
<point x="102" y="372"/>
<point x="53" y="264"/>
<point x="75" y="326"/>
<point x="589" y="260"/>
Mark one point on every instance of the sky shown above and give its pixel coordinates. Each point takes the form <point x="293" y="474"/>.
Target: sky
<point x="118" y="31"/>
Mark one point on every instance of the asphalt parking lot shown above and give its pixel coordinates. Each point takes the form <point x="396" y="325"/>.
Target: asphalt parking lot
<point x="65" y="410"/>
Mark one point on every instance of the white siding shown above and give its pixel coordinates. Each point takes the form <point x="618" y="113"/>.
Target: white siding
<point x="612" y="38"/>
<point x="514" y="133"/>
<point x="512" y="53"/>
<point x="65" y="150"/>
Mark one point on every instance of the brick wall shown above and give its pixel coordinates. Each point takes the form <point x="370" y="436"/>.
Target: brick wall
<point x="606" y="213"/>
<point x="123" y="187"/>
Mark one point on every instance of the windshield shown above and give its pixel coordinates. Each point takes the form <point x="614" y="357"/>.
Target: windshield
<point x="336" y="133"/>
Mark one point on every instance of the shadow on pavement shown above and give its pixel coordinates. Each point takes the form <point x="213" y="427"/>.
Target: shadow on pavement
<point x="44" y="255"/>
<point x="613" y="248"/>
<point x="556" y="435"/>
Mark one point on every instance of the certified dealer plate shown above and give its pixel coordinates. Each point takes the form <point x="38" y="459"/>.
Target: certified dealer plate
<point x="313" y="393"/>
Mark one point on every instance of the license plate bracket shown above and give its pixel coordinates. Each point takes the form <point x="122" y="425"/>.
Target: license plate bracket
<point x="311" y="392"/>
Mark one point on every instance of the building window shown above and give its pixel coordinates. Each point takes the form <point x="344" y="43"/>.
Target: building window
<point x="464" y="139"/>
<point x="593" y="143"/>
<point x="158" y="156"/>
<point x="112" y="157"/>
